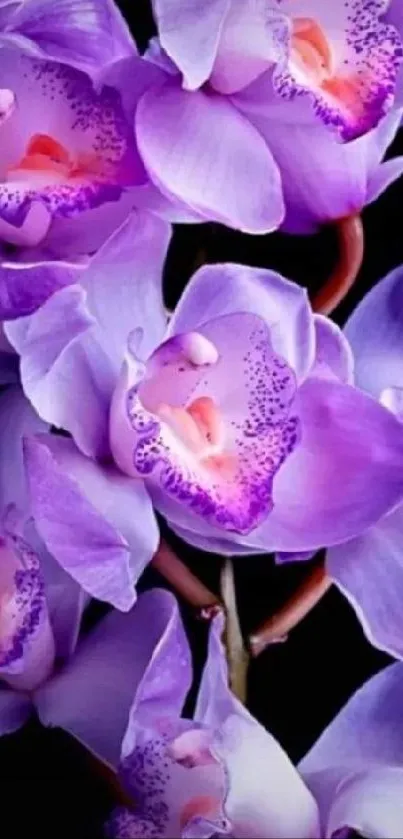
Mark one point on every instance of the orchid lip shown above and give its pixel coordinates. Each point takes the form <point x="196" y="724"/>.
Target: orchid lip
<point x="46" y="159"/>
<point x="197" y="437"/>
<point x="311" y="54"/>
<point x="27" y="649"/>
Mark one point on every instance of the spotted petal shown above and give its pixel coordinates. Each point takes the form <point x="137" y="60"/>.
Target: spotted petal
<point x="27" y="647"/>
<point x="65" y="148"/>
<point x="345" y="58"/>
<point x="209" y="437"/>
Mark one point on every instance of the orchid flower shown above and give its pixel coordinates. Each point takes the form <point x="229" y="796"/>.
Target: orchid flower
<point x="218" y="774"/>
<point x="234" y="419"/>
<point x="241" y="116"/>
<point x="323" y="180"/>
<point x="222" y="774"/>
<point x="68" y="157"/>
<point x="342" y="59"/>
<point x="86" y="35"/>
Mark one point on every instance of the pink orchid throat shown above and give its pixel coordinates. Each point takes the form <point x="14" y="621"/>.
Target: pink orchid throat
<point x="27" y="648"/>
<point x="311" y="51"/>
<point x="46" y="159"/>
<point x="196" y="435"/>
<point x="197" y="427"/>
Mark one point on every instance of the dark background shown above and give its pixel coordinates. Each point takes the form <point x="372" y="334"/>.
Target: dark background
<point x="47" y="782"/>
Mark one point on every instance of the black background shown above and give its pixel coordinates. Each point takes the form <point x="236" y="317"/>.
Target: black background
<point x="47" y="782"/>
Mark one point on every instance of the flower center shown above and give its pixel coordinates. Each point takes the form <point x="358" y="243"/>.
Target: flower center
<point x="199" y="426"/>
<point x="311" y="53"/>
<point x="45" y="156"/>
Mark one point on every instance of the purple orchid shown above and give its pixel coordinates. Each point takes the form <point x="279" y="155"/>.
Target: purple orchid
<point x="343" y="60"/>
<point x="86" y="35"/>
<point x="234" y="419"/>
<point x="248" y="93"/>
<point x="323" y="180"/>
<point x="222" y="774"/>
<point x="68" y="157"/>
<point x="218" y="774"/>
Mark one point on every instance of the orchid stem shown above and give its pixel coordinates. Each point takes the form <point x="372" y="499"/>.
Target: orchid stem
<point x="168" y="564"/>
<point x="237" y="655"/>
<point x="351" y="252"/>
<point x="304" y="599"/>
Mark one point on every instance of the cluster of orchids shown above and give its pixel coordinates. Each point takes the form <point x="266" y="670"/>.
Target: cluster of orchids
<point x="246" y="418"/>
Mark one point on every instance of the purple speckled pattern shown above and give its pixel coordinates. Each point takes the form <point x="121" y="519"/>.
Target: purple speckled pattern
<point x="369" y="58"/>
<point x="90" y="126"/>
<point x="259" y="430"/>
<point x="29" y="601"/>
<point x="171" y="796"/>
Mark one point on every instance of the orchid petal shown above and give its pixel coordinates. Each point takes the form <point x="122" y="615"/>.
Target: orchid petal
<point x="133" y="299"/>
<point x="24" y="288"/>
<point x="98" y="524"/>
<point x="199" y="149"/>
<point x="271" y="800"/>
<point x="70" y="378"/>
<point x="83" y="34"/>
<point x="374" y="331"/>
<point x="322" y="179"/>
<point x="17" y="418"/>
<point x="355" y="768"/>
<point x="254" y="37"/>
<point x="190" y="38"/>
<point x="64" y="372"/>
<point x="334" y="356"/>
<point x="217" y="290"/>
<point x="369" y="571"/>
<point x="343" y="434"/>
<point x="15" y="710"/>
<point x="108" y="666"/>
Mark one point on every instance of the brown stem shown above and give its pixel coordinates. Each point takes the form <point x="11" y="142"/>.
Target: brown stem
<point x="277" y="627"/>
<point x="351" y="252"/>
<point x="168" y="564"/>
